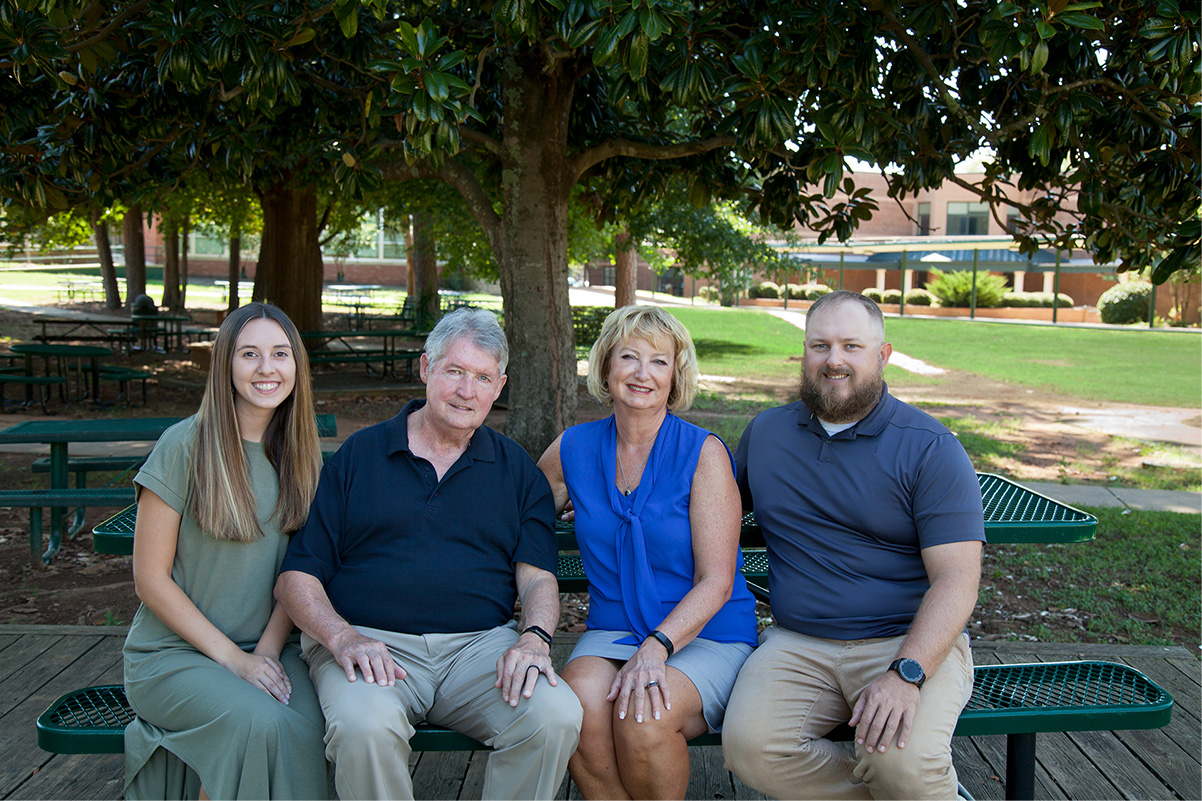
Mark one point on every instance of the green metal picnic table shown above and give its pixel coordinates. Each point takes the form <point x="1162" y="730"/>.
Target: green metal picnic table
<point x="69" y="361"/>
<point x="59" y="434"/>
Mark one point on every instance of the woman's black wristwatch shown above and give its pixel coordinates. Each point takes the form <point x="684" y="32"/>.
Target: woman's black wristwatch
<point x="663" y="640"/>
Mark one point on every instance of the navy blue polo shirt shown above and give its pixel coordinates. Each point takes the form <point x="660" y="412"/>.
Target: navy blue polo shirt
<point x="399" y="550"/>
<point x="845" y="517"/>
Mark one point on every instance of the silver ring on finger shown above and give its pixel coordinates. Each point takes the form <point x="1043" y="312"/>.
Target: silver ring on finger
<point x="652" y="683"/>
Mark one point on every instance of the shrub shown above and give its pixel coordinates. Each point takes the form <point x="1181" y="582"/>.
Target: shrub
<point x="1034" y="300"/>
<point x="891" y="296"/>
<point x="872" y="293"/>
<point x="587" y="322"/>
<point x="815" y="291"/>
<point x="796" y="291"/>
<point x="709" y="293"/>
<point x="1125" y="303"/>
<point x="766" y="289"/>
<point x="955" y="288"/>
<point x="919" y="297"/>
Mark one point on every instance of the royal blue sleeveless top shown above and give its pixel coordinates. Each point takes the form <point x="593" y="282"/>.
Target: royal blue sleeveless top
<point x="638" y="550"/>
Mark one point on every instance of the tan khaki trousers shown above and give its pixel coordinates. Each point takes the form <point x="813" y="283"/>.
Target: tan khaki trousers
<point x="794" y="689"/>
<point x="449" y="683"/>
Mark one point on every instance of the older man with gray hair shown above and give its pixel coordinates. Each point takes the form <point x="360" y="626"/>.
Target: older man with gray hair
<point x="424" y="531"/>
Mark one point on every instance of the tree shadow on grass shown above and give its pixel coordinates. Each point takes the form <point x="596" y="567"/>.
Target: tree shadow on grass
<point x="718" y="348"/>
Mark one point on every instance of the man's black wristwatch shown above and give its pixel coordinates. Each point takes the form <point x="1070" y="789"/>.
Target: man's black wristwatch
<point x="540" y="632"/>
<point x="910" y="670"/>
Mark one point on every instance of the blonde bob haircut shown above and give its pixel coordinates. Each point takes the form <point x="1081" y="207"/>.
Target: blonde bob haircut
<point x="220" y="492"/>
<point x="661" y="329"/>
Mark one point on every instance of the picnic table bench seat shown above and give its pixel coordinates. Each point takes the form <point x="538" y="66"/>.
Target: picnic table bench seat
<point x="386" y="359"/>
<point x="42" y="382"/>
<point x="82" y="465"/>
<point x="1016" y="700"/>
<point x="37" y="499"/>
<point x="123" y="376"/>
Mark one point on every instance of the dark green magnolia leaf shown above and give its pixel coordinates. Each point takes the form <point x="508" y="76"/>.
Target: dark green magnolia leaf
<point x="1039" y="58"/>
<point x="606" y="46"/>
<point x="304" y="36"/>
<point x="636" y="59"/>
<point x="349" y="23"/>
<point x="581" y="34"/>
<point x="1080" y="20"/>
<point x="408" y="37"/>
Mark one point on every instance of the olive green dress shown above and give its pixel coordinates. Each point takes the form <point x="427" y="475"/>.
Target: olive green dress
<point x="198" y="723"/>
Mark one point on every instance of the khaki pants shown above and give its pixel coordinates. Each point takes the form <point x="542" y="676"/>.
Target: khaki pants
<point x="794" y="689"/>
<point x="449" y="683"/>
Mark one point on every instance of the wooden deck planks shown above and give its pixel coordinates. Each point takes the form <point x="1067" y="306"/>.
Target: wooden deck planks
<point x="38" y="663"/>
<point x="97" y="660"/>
<point x="1141" y="763"/>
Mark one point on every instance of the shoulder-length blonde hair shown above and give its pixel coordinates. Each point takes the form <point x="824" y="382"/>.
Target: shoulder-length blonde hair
<point x="658" y="327"/>
<point x="221" y="496"/>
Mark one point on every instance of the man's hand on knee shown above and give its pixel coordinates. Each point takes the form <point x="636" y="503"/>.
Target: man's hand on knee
<point x="518" y="668"/>
<point x="372" y="658"/>
<point x="886" y="707"/>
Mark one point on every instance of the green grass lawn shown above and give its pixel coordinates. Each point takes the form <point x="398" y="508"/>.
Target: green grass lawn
<point x="743" y="344"/>
<point x="1119" y="366"/>
<point x="1138" y="582"/>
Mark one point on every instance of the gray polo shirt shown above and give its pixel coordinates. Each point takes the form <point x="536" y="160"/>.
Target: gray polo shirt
<point x="846" y="516"/>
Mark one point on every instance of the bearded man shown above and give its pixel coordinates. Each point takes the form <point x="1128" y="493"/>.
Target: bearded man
<point x="872" y="516"/>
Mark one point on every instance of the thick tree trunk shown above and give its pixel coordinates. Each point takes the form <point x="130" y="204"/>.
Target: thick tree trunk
<point x="626" y="274"/>
<point x="423" y="262"/>
<point x="135" y="254"/>
<point x="290" y="270"/>
<point x="183" y="262"/>
<point x="171" y="298"/>
<point x="234" y="273"/>
<point x="410" y="276"/>
<point x="108" y="273"/>
<point x="531" y="248"/>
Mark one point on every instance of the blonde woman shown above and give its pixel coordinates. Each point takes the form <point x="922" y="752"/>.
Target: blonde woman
<point x="224" y="703"/>
<point x="657" y="518"/>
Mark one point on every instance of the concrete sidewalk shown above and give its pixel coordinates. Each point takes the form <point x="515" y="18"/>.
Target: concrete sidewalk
<point x="1098" y="496"/>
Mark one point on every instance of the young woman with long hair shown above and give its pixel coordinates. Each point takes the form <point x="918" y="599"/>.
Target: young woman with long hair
<point x="224" y="703"/>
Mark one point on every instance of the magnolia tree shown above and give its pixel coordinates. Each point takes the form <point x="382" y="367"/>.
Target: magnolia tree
<point x="513" y="103"/>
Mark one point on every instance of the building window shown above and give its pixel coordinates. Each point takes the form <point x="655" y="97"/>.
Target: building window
<point x="1012" y="218"/>
<point x="924" y="219"/>
<point x="967" y="219"/>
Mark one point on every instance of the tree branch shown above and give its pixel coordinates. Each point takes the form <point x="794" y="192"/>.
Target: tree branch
<point x="458" y="177"/>
<point x="928" y="66"/>
<point x="587" y="159"/>
<point x="104" y="32"/>
<point x="480" y="139"/>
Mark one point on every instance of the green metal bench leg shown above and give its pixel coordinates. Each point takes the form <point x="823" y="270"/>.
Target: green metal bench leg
<point x="81" y="482"/>
<point x="1020" y="766"/>
<point x="35" y="539"/>
<point x="35" y="535"/>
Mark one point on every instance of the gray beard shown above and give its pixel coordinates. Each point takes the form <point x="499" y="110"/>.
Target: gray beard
<point x="851" y="409"/>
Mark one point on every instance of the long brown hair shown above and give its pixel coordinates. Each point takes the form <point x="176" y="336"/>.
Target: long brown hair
<point x="221" y="496"/>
